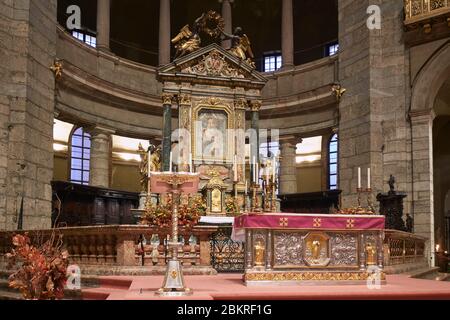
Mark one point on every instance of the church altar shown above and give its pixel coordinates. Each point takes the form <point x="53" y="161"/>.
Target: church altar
<point x="285" y="248"/>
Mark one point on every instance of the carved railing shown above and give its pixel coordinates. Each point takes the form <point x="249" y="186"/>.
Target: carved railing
<point x="417" y="10"/>
<point x="403" y="248"/>
<point x="121" y="246"/>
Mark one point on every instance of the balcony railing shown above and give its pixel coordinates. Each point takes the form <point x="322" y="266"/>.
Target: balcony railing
<point x="418" y="10"/>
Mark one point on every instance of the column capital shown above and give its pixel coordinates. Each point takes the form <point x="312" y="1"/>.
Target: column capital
<point x="240" y="104"/>
<point x="255" y="105"/>
<point x="422" y="115"/>
<point x="167" y="98"/>
<point x="290" y="139"/>
<point x="100" y="130"/>
<point x="185" y="99"/>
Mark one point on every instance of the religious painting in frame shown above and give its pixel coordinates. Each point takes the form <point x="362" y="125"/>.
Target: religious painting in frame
<point x="211" y="134"/>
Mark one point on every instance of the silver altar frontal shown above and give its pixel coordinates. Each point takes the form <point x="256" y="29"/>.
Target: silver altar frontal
<point x="290" y="249"/>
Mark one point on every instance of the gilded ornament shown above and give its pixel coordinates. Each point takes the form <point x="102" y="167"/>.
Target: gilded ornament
<point x="338" y="91"/>
<point x="57" y="68"/>
<point x="167" y="99"/>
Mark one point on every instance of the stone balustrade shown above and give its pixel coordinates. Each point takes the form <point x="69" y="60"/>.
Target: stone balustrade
<point x="417" y="10"/>
<point x="119" y="246"/>
<point x="403" y="250"/>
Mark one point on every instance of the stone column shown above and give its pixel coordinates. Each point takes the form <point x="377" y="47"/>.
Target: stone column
<point x="288" y="174"/>
<point x="164" y="32"/>
<point x="287" y="34"/>
<point x="100" y="157"/>
<point x="167" y="131"/>
<point x="103" y="24"/>
<point x="255" y="107"/>
<point x="422" y="180"/>
<point x="228" y="18"/>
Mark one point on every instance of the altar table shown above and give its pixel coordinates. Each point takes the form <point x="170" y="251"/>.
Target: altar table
<point x="283" y="248"/>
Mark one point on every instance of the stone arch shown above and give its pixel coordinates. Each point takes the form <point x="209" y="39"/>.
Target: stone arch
<point x="430" y="79"/>
<point x="425" y="88"/>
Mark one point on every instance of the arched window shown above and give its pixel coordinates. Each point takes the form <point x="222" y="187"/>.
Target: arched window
<point x="80" y="157"/>
<point x="333" y="163"/>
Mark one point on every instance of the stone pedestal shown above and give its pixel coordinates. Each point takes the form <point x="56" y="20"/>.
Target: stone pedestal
<point x="391" y="206"/>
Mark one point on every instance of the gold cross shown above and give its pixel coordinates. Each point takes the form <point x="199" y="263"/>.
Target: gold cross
<point x="283" y="222"/>
<point x="317" y="223"/>
<point x="350" y="223"/>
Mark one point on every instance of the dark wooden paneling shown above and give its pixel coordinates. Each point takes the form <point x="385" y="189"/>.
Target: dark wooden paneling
<point x="88" y="206"/>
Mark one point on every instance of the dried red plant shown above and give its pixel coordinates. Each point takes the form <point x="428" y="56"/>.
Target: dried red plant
<point x="42" y="271"/>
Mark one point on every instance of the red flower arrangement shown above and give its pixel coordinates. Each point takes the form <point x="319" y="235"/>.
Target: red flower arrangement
<point x="42" y="272"/>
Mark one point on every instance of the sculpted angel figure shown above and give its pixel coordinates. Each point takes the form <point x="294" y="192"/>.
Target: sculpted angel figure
<point x="240" y="45"/>
<point x="155" y="163"/>
<point x="188" y="40"/>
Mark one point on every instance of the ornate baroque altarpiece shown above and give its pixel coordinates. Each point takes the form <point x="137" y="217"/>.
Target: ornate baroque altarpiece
<point x="213" y="90"/>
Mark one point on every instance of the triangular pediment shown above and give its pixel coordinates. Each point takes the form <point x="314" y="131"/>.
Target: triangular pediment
<point x="212" y="62"/>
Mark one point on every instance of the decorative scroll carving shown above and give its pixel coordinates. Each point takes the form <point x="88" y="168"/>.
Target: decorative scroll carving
<point x="344" y="249"/>
<point x="214" y="64"/>
<point x="288" y="249"/>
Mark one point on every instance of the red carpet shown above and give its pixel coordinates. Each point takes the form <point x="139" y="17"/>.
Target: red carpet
<point x="230" y="287"/>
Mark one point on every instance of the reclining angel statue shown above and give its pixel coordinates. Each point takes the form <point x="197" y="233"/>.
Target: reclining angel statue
<point x="188" y="40"/>
<point x="240" y="45"/>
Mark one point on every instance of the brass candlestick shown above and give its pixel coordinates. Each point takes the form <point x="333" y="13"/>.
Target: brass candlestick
<point x="267" y="196"/>
<point x="274" y="196"/>
<point x="255" y="206"/>
<point x="370" y="207"/>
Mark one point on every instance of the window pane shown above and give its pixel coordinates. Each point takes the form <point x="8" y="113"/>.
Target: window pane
<point x="75" y="175"/>
<point x="76" y="141"/>
<point x="86" y="153"/>
<point x="87" y="142"/>
<point x="333" y="169"/>
<point x="333" y="180"/>
<point x="86" y="176"/>
<point x="86" y="165"/>
<point x="76" y="152"/>
<point x="333" y="147"/>
<point x="333" y="158"/>
<point x="76" y="164"/>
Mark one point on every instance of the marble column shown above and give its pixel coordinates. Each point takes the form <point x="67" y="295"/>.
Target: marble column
<point x="255" y="107"/>
<point x="100" y="157"/>
<point x="164" y="32"/>
<point x="228" y="18"/>
<point x="103" y="24"/>
<point x="288" y="174"/>
<point x="167" y="131"/>
<point x="287" y="34"/>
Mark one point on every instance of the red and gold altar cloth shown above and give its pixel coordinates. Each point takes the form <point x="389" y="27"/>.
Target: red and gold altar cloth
<point x="282" y="221"/>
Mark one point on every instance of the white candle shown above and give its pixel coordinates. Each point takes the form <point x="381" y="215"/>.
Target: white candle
<point x="246" y="186"/>
<point x="190" y="163"/>
<point x="254" y="169"/>
<point x="274" y="169"/>
<point x="235" y="168"/>
<point x="170" y="162"/>
<point x="359" y="177"/>
<point x="368" y="178"/>
<point x="149" y="164"/>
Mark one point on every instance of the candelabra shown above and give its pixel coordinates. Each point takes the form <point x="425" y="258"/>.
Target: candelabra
<point x="255" y="205"/>
<point x="368" y="192"/>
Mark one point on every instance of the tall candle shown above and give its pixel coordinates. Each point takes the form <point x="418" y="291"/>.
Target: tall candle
<point x="274" y="169"/>
<point x="368" y="178"/>
<point x="359" y="177"/>
<point x="149" y="164"/>
<point x="190" y="163"/>
<point x="254" y="169"/>
<point x="170" y="162"/>
<point x="235" y="168"/>
<point x="246" y="186"/>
